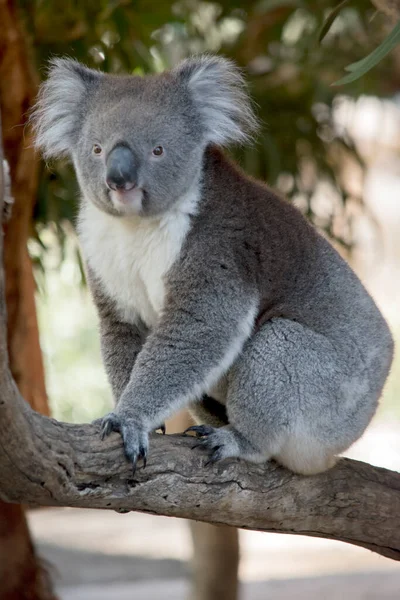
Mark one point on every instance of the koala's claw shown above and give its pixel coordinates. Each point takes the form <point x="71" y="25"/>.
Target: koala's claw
<point x="200" y="431"/>
<point x="162" y="428"/>
<point x="135" y="439"/>
<point x="143" y="455"/>
<point x="109" y="423"/>
<point x="216" y="455"/>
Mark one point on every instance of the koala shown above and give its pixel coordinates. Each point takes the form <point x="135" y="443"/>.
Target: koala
<point x="212" y="291"/>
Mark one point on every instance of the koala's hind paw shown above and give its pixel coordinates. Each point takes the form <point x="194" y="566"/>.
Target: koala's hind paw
<point x="222" y="442"/>
<point x="135" y="439"/>
<point x="215" y="440"/>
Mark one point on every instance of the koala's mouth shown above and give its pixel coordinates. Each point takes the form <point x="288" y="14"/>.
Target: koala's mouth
<point x="129" y="202"/>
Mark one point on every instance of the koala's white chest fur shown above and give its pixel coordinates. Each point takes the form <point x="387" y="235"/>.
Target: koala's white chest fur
<point x="131" y="256"/>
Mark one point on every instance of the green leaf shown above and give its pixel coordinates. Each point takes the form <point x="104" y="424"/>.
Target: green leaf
<point x="359" y="68"/>
<point x="330" y="18"/>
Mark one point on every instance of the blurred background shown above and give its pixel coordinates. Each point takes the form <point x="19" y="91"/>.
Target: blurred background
<point x="331" y="146"/>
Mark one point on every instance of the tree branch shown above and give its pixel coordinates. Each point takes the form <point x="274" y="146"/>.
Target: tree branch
<point x="45" y="462"/>
<point x="48" y="463"/>
<point x="391" y="8"/>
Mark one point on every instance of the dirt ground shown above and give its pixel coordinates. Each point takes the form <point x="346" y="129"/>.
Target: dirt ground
<point x="98" y="555"/>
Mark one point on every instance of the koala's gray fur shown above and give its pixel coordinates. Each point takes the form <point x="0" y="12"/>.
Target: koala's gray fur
<point x="206" y="282"/>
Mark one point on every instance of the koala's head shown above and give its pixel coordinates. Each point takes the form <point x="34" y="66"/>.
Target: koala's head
<point x="137" y="142"/>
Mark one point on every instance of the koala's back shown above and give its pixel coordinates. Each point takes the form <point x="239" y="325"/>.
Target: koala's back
<point x="309" y="378"/>
<point x="298" y="274"/>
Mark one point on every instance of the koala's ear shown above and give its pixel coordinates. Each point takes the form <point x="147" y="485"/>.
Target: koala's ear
<point x="219" y="93"/>
<point x="59" y="110"/>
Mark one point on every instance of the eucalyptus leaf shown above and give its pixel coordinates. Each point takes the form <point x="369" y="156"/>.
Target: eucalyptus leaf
<point x="361" y="67"/>
<point x="330" y="19"/>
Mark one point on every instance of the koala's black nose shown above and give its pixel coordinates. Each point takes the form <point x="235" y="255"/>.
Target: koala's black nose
<point x="121" y="171"/>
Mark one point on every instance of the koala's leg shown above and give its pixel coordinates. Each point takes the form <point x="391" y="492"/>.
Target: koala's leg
<point x="120" y="341"/>
<point x="292" y="396"/>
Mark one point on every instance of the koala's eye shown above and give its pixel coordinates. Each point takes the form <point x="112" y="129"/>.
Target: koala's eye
<point x="97" y="149"/>
<point x="158" y="151"/>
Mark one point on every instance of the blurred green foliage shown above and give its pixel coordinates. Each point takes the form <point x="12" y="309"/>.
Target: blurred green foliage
<point x="277" y="42"/>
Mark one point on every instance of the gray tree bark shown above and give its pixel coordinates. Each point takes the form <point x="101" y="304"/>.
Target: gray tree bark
<point x="48" y="463"/>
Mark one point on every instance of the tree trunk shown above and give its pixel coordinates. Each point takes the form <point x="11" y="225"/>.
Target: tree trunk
<point x="215" y="561"/>
<point x="17" y="92"/>
<point x="22" y="577"/>
<point x="21" y="574"/>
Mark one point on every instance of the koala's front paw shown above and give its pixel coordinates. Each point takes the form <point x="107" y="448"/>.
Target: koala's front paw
<point x="135" y="438"/>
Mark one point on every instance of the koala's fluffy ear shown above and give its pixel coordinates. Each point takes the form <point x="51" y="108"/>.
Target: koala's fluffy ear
<point x="219" y="93"/>
<point x="58" y="112"/>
